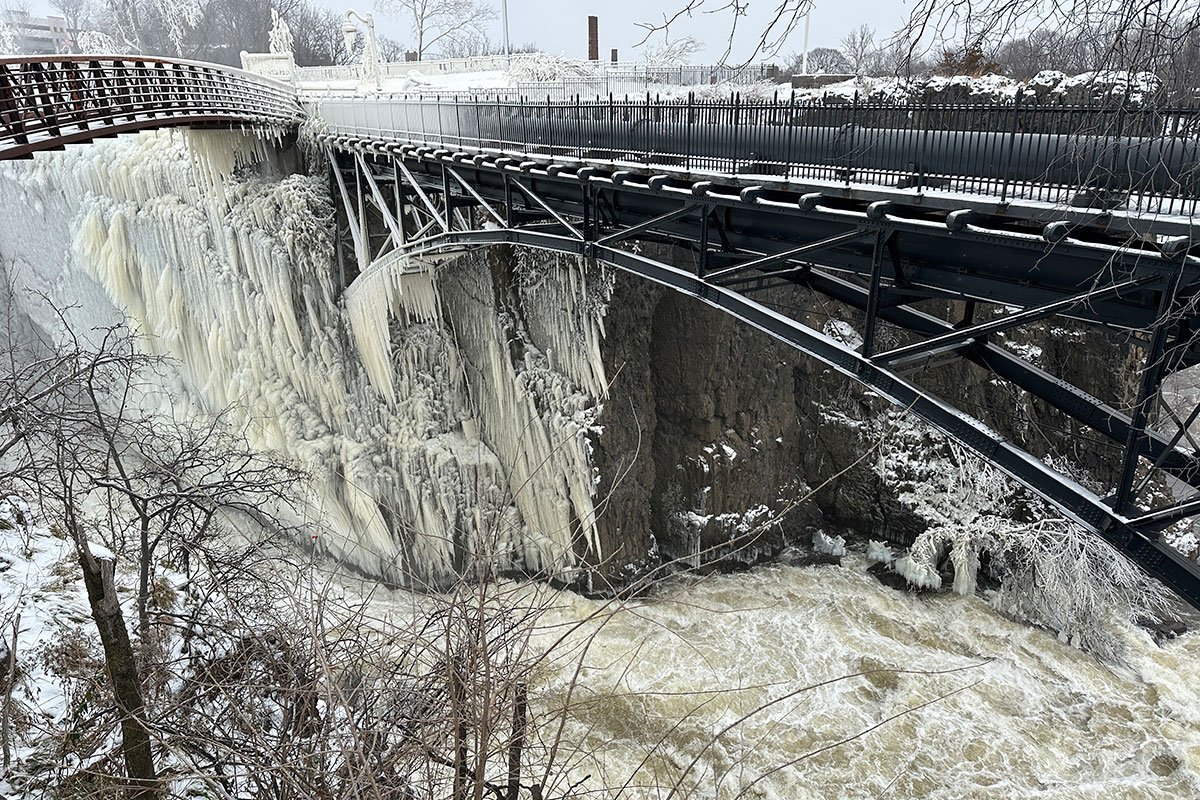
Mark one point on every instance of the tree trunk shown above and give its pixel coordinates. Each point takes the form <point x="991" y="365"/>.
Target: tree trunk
<point x="144" y="582"/>
<point x="10" y="678"/>
<point x="517" y="744"/>
<point x="122" y="669"/>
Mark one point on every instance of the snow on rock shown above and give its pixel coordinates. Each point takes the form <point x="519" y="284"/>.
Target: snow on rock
<point x="1047" y="87"/>
<point x="841" y="331"/>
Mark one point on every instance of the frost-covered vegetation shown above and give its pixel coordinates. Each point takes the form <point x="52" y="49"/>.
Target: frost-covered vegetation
<point x="1051" y="572"/>
<point x="221" y="661"/>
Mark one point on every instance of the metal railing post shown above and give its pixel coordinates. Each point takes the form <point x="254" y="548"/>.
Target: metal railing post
<point x="737" y="131"/>
<point x="853" y="136"/>
<point x="1012" y="144"/>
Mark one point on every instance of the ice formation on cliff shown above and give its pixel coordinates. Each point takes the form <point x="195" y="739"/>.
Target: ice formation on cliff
<point x="221" y="257"/>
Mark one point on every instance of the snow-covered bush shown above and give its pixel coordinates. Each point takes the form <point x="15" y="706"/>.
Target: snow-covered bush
<point x="8" y="38"/>
<point x="1052" y="572"/>
<point x="541" y="67"/>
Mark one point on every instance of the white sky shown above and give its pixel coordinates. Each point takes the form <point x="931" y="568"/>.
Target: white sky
<point x="560" y="26"/>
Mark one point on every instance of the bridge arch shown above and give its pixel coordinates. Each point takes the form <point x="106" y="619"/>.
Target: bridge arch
<point x="1080" y="504"/>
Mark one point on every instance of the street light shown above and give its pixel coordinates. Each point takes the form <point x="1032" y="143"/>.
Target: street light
<point x="370" y="54"/>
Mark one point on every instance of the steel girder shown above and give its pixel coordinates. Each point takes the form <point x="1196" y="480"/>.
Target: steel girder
<point x="880" y="260"/>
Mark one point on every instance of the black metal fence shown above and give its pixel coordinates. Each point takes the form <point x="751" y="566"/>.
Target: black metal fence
<point x="1103" y="155"/>
<point x="46" y="102"/>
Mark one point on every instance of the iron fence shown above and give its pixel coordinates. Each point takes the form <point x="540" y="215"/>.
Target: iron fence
<point x="46" y="102"/>
<point x="1144" y="159"/>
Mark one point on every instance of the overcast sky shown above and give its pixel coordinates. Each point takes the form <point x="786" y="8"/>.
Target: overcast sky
<point x="560" y="26"/>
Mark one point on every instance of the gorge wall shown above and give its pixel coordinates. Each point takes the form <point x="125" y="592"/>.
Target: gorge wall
<point x="525" y="410"/>
<point x="732" y="430"/>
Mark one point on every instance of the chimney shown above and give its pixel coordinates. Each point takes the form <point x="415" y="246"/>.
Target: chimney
<point x="614" y="55"/>
<point x="593" y="38"/>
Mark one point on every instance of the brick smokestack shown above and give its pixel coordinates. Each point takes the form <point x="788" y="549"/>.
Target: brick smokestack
<point x="614" y="55"/>
<point x="593" y="38"/>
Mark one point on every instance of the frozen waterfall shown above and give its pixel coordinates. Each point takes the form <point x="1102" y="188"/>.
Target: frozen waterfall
<point x="440" y="418"/>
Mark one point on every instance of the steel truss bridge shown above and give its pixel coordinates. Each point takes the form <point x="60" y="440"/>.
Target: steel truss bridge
<point x="1080" y="213"/>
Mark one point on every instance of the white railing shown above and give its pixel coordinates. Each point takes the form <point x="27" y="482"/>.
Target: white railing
<point x="280" y="66"/>
<point x="593" y="78"/>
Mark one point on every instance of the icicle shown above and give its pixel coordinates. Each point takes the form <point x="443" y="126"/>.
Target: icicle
<point x="487" y="452"/>
<point x="394" y="286"/>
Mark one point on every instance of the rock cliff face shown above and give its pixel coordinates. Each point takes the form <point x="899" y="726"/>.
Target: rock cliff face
<point x="718" y="440"/>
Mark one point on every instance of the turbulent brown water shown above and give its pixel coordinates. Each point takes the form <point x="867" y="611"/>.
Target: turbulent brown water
<point x="1029" y="716"/>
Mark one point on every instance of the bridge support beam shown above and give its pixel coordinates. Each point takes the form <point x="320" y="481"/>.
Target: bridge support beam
<point x="1152" y="375"/>
<point x="553" y="210"/>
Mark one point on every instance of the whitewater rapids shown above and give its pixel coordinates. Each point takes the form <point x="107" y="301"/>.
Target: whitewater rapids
<point x="1028" y="717"/>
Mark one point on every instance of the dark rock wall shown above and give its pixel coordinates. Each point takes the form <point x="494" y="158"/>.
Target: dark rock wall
<point x="710" y="421"/>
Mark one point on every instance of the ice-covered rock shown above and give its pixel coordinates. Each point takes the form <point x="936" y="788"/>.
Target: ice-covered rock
<point x="829" y="545"/>
<point x="879" y="553"/>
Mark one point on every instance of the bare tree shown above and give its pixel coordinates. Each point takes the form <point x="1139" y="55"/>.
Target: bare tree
<point x="152" y="26"/>
<point x="1026" y="56"/>
<point x="442" y="23"/>
<point x="1124" y="34"/>
<point x="860" y="49"/>
<point x="672" y="53"/>
<point x="117" y="478"/>
<point x="968" y="60"/>
<point x="316" y="35"/>
<point x="822" y="60"/>
<point x="74" y="12"/>
<point x="770" y="37"/>
<point x="390" y="49"/>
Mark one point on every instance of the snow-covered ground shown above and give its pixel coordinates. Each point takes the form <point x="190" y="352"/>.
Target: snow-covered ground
<point x="544" y="75"/>
<point x="45" y="617"/>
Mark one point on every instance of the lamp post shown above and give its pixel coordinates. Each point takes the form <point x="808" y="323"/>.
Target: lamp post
<point x="370" y="54"/>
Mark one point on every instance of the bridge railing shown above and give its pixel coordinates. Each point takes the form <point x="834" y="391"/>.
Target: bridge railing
<point x="1144" y="159"/>
<point x="49" y="101"/>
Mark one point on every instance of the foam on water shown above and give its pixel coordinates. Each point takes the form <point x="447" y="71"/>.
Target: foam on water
<point x="1034" y="717"/>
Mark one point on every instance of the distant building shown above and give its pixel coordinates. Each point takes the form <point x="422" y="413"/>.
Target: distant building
<point x="39" y="35"/>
